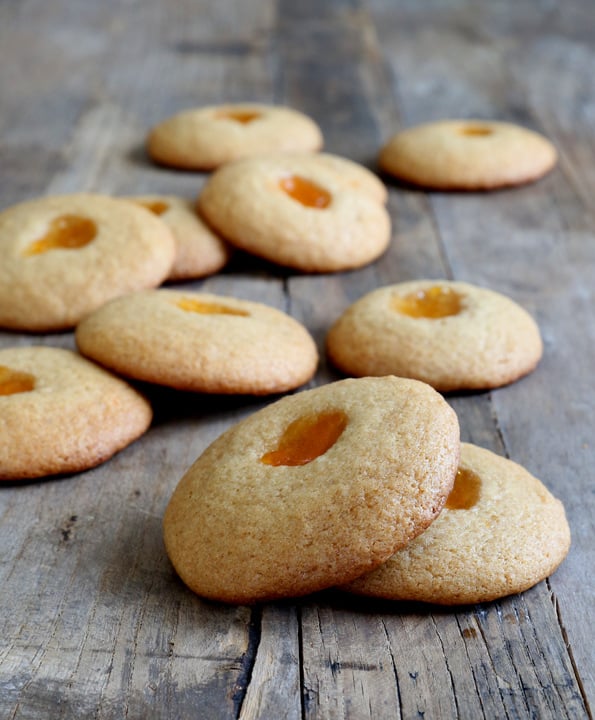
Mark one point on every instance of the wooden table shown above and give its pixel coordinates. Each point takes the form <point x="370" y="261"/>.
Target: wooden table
<point x="94" y="622"/>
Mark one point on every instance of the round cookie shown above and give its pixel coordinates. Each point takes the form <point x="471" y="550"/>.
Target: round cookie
<point x="467" y="155"/>
<point x="320" y="485"/>
<point x="452" y="335"/>
<point x="352" y="174"/>
<point x="60" y="413"/>
<point x="297" y="210"/>
<point x="205" y="138"/>
<point x="500" y="533"/>
<point x="200" y="342"/>
<point x="199" y="252"/>
<point x="64" y="256"/>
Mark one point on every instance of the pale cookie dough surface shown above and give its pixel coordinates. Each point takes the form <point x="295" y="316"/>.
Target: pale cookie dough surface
<point x="239" y="530"/>
<point x="205" y="138"/>
<point x="60" y="413"/>
<point x="47" y="288"/>
<point x="491" y="341"/>
<point x="353" y="175"/>
<point x="212" y="343"/>
<point x="468" y="155"/>
<point x="504" y="533"/>
<point x="246" y="203"/>
<point x="199" y="251"/>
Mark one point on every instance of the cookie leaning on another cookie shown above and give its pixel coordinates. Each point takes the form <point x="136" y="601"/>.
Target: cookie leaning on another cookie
<point x="500" y="533"/>
<point x="199" y="251"/>
<point x="64" y="256"/>
<point x="205" y="138"/>
<point x="452" y="335"/>
<point x="321" y="485"/>
<point x="467" y="155"/>
<point x="200" y="342"/>
<point x="60" y="413"/>
<point x="298" y="210"/>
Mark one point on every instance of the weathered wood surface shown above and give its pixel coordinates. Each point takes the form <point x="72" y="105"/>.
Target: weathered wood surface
<point x="93" y="621"/>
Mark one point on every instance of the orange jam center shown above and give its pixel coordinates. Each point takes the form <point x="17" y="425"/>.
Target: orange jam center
<point x="209" y="308"/>
<point x="241" y="116"/>
<point x="305" y="192"/>
<point x="66" y="232"/>
<point x="307" y="438"/>
<point x="465" y="492"/>
<point x="435" y="302"/>
<point x="15" y="381"/>
<point x="157" y="207"/>
<point x="476" y="130"/>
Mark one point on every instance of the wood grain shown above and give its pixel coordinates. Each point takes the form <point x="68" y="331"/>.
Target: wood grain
<point x="93" y="620"/>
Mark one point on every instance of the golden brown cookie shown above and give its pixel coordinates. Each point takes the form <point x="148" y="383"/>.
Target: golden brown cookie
<point x="297" y="210"/>
<point x="452" y="335"/>
<point x="468" y="155"/>
<point x="199" y="251"/>
<point x="205" y="138"/>
<point x="60" y="413"/>
<point x="321" y="485"/>
<point x="352" y="174"/>
<point x="200" y="342"/>
<point x="64" y="256"/>
<point x="500" y="533"/>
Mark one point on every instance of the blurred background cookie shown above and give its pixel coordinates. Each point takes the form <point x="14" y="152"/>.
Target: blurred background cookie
<point x="500" y="533"/>
<point x="311" y="213"/>
<point x="199" y="251"/>
<point x="66" y="255"/>
<point x="467" y="155"/>
<point x="200" y="342"/>
<point x="60" y="413"/>
<point x="452" y="335"/>
<point x="318" y="486"/>
<point x="204" y="138"/>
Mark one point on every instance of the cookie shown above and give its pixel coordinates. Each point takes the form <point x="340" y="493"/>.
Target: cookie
<point x="205" y="138"/>
<point x="352" y="174"/>
<point x="199" y="251"/>
<point x="467" y="155"/>
<point x="500" y="533"/>
<point x="298" y="211"/>
<point x="64" y="256"/>
<point x="60" y="413"/>
<point x="320" y="485"/>
<point x="200" y="342"/>
<point x="452" y="335"/>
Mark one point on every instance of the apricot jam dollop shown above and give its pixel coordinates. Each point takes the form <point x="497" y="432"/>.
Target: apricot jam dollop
<point x="476" y="130"/>
<point x="157" y="207"/>
<point x="15" y="381"/>
<point x="307" y="438"/>
<point x="240" y="116"/>
<point x="66" y="232"/>
<point x="465" y="492"/>
<point x="209" y="308"/>
<point x="305" y="192"/>
<point x="437" y="301"/>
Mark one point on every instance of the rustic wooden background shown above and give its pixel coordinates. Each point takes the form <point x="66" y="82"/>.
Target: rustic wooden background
<point x="93" y="621"/>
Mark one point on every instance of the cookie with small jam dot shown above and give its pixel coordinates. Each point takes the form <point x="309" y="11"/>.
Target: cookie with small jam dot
<point x="320" y="485"/>
<point x="500" y="532"/>
<point x="303" y="211"/>
<point x="199" y="251"/>
<point x="452" y="335"/>
<point x="205" y="138"/>
<point x="64" y="256"/>
<point x="200" y="342"/>
<point x="60" y="413"/>
<point x="467" y="155"/>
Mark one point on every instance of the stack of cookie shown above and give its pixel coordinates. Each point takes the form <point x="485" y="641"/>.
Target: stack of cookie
<point x="361" y="484"/>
